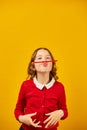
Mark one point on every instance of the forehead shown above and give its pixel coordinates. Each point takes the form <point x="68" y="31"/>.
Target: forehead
<point x="42" y="52"/>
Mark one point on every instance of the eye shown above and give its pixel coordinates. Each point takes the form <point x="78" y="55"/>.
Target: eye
<point x="39" y="58"/>
<point x="48" y="57"/>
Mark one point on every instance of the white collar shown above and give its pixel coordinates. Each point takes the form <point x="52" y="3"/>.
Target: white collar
<point x="40" y="86"/>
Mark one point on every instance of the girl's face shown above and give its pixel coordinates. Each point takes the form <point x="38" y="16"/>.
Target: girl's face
<point x="41" y="65"/>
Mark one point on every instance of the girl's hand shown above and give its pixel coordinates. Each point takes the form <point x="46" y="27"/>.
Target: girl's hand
<point x="53" y="117"/>
<point x="26" y="119"/>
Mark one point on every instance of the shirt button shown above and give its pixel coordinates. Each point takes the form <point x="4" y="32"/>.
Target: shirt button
<point x="42" y="106"/>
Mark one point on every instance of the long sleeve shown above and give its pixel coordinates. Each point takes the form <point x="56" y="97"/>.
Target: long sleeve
<point x="20" y="105"/>
<point x="62" y="103"/>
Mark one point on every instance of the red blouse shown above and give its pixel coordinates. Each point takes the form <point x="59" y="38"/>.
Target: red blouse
<point x="31" y="99"/>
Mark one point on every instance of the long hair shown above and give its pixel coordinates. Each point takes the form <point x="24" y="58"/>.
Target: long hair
<point x="31" y="69"/>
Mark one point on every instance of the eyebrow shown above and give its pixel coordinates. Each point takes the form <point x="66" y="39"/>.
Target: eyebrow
<point x="41" y="55"/>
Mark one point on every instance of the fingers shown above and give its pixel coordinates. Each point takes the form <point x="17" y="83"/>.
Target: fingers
<point x="50" y="123"/>
<point x="36" y="124"/>
<point x="48" y="114"/>
<point x="47" y="120"/>
<point x="34" y="120"/>
<point x="51" y="120"/>
<point x="49" y="117"/>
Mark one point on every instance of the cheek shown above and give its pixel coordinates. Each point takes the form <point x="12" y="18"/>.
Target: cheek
<point x="36" y="66"/>
<point x="50" y="66"/>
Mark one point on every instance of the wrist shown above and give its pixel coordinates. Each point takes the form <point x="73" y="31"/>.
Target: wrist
<point x="61" y="113"/>
<point x="20" y="118"/>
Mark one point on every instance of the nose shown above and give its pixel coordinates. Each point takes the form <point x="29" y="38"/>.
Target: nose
<point x="45" y="63"/>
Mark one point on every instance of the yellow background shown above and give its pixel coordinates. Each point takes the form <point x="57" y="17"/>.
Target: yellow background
<point x="60" y="26"/>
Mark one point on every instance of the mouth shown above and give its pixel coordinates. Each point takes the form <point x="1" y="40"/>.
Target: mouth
<point x="45" y="64"/>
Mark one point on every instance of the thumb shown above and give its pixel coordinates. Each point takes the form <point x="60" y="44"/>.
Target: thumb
<point x="33" y="114"/>
<point x="48" y="114"/>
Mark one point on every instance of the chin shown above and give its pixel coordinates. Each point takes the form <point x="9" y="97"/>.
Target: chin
<point x="45" y="71"/>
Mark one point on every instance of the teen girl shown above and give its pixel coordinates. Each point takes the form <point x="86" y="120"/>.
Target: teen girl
<point x="42" y="101"/>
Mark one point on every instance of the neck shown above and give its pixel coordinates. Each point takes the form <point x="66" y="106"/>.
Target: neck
<point x="43" y="78"/>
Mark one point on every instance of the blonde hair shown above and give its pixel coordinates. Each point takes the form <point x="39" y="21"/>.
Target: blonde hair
<point x="31" y="69"/>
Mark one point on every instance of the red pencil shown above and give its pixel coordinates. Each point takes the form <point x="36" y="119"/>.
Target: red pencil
<point x="45" y="61"/>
